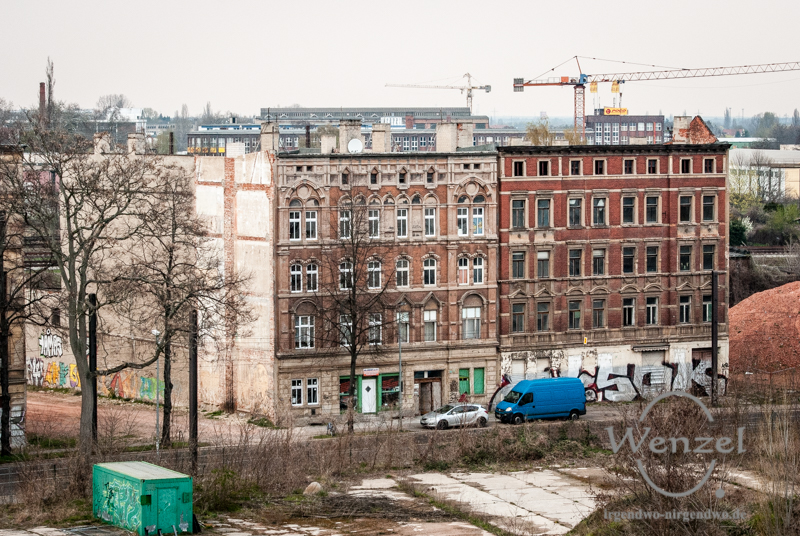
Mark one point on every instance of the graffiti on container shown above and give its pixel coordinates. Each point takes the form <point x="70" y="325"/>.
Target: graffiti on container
<point x="119" y="504"/>
<point x="50" y="344"/>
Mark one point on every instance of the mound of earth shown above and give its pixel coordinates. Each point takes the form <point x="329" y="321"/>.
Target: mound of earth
<point x="765" y="331"/>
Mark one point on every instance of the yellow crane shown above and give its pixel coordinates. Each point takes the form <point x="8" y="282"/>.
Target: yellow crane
<point x="468" y="88"/>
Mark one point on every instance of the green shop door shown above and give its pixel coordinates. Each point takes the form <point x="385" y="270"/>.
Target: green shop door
<point x="463" y="381"/>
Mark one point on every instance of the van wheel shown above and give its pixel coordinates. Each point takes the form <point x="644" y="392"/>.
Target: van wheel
<point x="574" y="415"/>
<point x="517" y="419"/>
<point x="441" y="425"/>
<point x="591" y="395"/>
<point x="482" y="422"/>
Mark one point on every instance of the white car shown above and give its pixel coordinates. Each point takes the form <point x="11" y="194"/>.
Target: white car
<point x="456" y="415"/>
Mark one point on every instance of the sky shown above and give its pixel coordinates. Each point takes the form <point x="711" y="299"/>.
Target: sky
<point x="244" y="55"/>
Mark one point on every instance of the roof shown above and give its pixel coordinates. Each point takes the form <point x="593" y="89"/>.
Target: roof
<point x="142" y="470"/>
<point x="614" y="149"/>
<point x="461" y="152"/>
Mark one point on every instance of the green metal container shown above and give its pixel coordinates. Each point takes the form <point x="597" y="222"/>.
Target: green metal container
<point x="142" y="497"/>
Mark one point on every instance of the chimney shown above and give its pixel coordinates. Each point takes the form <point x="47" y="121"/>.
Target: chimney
<point x="381" y="138"/>
<point x="101" y="144"/>
<point x="409" y="121"/>
<point x="349" y="129"/>
<point x="171" y="142"/>
<point x="327" y="143"/>
<point x="680" y="129"/>
<point x="308" y="136"/>
<point x="42" y="103"/>
<point x="136" y="144"/>
<point x="446" y="138"/>
<point x="270" y="137"/>
<point x="465" y="131"/>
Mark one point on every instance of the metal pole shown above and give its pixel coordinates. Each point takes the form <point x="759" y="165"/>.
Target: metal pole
<point x="93" y="360"/>
<point x="158" y="373"/>
<point x="193" y="389"/>
<point x="400" y="372"/>
<point x="714" y="335"/>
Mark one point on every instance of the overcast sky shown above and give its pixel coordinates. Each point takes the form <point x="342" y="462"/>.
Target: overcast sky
<point x="245" y="55"/>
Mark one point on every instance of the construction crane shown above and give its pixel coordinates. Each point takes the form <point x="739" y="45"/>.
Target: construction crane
<point x="579" y="82"/>
<point x="468" y="88"/>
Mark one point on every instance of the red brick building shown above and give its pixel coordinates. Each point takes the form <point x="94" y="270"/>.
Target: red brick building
<point x="605" y="262"/>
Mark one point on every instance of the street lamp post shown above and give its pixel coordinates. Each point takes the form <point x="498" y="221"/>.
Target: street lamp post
<point x="156" y="333"/>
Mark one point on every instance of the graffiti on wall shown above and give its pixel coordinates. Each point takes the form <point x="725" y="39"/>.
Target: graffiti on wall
<point x="119" y="504"/>
<point x="50" y="344"/>
<point x="35" y="368"/>
<point x="54" y="374"/>
<point x="621" y="382"/>
<point x="126" y="384"/>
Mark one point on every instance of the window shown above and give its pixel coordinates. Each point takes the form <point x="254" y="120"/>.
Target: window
<point x="651" y="209"/>
<point x="296" y="278"/>
<point x="575" y="167"/>
<point x="599" y="167"/>
<point x="685" y="208"/>
<point x="574" y="263"/>
<point x="345" y="178"/>
<point x="518" y="317"/>
<point x="708" y="165"/>
<point x="628" y="167"/>
<point x="311" y="277"/>
<point x="649" y="127"/>
<point x="628" y="260"/>
<point x="471" y="317"/>
<point x="658" y="127"/>
<point x="429" y="272"/>
<point x="599" y="211"/>
<point x="374" y="274"/>
<point x="543" y="213"/>
<point x="462" y="221"/>
<point x="373" y="178"/>
<point x="574" y="310"/>
<point x="652" y="311"/>
<point x="519" y="169"/>
<point x="707" y="308"/>
<point x="375" y="328"/>
<point x="345" y="329"/>
<point x="311" y="224"/>
<point x="477" y="270"/>
<point x="463" y="271"/>
<point x="652" y="166"/>
<point x="685" y="260"/>
<point x="574" y="212"/>
<point x="430" y="221"/>
<point x="312" y="391"/>
<point x="708" y="208"/>
<point x="685" y="309"/>
<point x="55" y="317"/>
<point x="429" y="318"/>
<point x="401" y="271"/>
<point x="598" y="313"/>
<point x="463" y="385"/>
<point x="686" y="165"/>
<point x="402" y="222"/>
<point x="542" y="316"/>
<point x="518" y="213"/>
<point x="304" y="331"/>
<point x="640" y="127"/>
<point x="477" y="220"/>
<point x="345" y="275"/>
<point x="297" y="392"/>
<point x="401" y="177"/>
<point x="598" y="262"/>
<point x="628" y="210"/>
<point x="543" y="264"/>
<point x="652" y="258"/>
<point x="628" y="312"/>
<point x="294" y="225"/>
<point x="708" y="257"/>
<point x="544" y="168"/>
<point x="429" y="176"/>
<point x="344" y="224"/>
<point x="518" y="265"/>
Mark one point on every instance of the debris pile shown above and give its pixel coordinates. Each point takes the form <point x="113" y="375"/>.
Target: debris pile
<point x="765" y="331"/>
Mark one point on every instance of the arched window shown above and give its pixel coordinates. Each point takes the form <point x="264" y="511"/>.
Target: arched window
<point x="429" y="272"/>
<point x="471" y="318"/>
<point x="303" y="331"/>
<point x="429" y="320"/>
<point x="296" y="278"/>
<point x="416" y="200"/>
<point x="463" y="271"/>
<point x="402" y="273"/>
<point x="344" y="223"/>
<point x="294" y="220"/>
<point x="345" y="275"/>
<point x="374" y="274"/>
<point x="477" y="216"/>
<point x="312" y="274"/>
<point x="462" y="216"/>
<point x="477" y="270"/>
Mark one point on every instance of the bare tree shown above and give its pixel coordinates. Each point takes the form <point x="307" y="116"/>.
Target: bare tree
<point x="539" y="133"/>
<point x="174" y="269"/>
<point x="353" y="302"/>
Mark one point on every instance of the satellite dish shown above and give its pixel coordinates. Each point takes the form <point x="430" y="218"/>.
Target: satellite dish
<point x="355" y="146"/>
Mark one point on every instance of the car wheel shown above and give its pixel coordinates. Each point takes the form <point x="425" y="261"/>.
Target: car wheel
<point x="441" y="425"/>
<point x="591" y="395"/>
<point x="482" y="422"/>
<point x="517" y="419"/>
<point x="574" y="415"/>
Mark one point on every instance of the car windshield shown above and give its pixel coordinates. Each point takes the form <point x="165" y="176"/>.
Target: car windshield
<point x="512" y="397"/>
<point x="444" y="409"/>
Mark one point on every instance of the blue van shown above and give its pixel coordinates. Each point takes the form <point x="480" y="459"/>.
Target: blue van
<point x="542" y="399"/>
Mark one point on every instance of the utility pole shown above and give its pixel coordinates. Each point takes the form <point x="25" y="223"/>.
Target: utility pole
<point x="5" y="395"/>
<point x="714" y="334"/>
<point x="193" y="389"/>
<point x="400" y="374"/>
<point x="93" y="360"/>
<point x="156" y="333"/>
